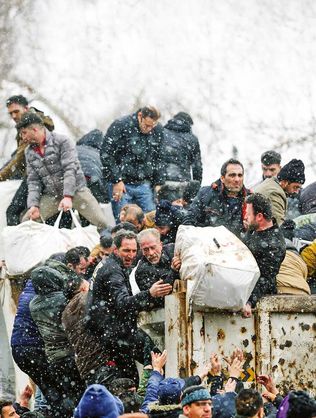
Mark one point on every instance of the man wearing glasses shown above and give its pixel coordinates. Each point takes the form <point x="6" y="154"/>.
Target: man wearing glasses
<point x="132" y="159"/>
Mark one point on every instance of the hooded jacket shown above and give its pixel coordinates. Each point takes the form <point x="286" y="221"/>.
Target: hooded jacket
<point x="212" y="207"/>
<point x="182" y="152"/>
<point x="25" y="331"/>
<point x="132" y="156"/>
<point x="46" y="309"/>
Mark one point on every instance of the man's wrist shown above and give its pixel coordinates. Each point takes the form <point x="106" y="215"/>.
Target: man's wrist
<point x="67" y="195"/>
<point x="118" y="180"/>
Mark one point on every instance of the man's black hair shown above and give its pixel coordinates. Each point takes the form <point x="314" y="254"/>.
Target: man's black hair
<point x="127" y="226"/>
<point x="260" y="204"/>
<point x="83" y="251"/>
<point x="73" y="256"/>
<point x="123" y="234"/>
<point x="4" y="403"/>
<point x="150" y="112"/>
<point x="18" y="99"/>
<point x="106" y="239"/>
<point x="230" y="161"/>
<point x="248" y="402"/>
<point x="270" y="157"/>
<point x="301" y="405"/>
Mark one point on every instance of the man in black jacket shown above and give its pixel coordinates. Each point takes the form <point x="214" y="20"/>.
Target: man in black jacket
<point x="222" y="203"/>
<point x="182" y="150"/>
<point x="267" y="244"/>
<point x="132" y="157"/>
<point x="157" y="262"/>
<point x="113" y="309"/>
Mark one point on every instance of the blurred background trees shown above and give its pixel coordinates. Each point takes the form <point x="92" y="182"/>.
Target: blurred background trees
<point x="244" y="71"/>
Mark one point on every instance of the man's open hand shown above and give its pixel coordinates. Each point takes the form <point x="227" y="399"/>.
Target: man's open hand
<point x="160" y="289"/>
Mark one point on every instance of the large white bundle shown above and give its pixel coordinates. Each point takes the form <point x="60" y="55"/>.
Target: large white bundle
<point x="31" y="243"/>
<point x="222" y="267"/>
<point x="7" y="191"/>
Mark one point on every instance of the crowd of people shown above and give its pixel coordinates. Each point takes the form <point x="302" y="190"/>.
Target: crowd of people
<point x="75" y="332"/>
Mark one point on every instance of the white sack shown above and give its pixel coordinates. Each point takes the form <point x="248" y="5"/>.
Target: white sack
<point x="7" y="191"/>
<point x="87" y="236"/>
<point x="31" y="243"/>
<point x="222" y="267"/>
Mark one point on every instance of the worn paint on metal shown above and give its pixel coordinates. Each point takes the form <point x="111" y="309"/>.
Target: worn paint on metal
<point x="278" y="340"/>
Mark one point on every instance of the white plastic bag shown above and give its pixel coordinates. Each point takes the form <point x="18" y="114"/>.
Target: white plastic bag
<point x="7" y="191"/>
<point x="31" y="243"/>
<point x="87" y="236"/>
<point x="222" y="267"/>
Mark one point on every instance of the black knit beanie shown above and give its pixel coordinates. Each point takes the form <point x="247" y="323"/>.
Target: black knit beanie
<point x="294" y="172"/>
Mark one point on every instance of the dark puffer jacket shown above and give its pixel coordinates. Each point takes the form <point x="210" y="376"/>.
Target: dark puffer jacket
<point x="147" y="273"/>
<point x="132" y="156"/>
<point x="25" y="331"/>
<point x="268" y="247"/>
<point x="307" y="199"/>
<point x="182" y="152"/>
<point x="113" y="310"/>
<point x="90" y="162"/>
<point x="46" y="310"/>
<point x="212" y="207"/>
<point x="93" y="139"/>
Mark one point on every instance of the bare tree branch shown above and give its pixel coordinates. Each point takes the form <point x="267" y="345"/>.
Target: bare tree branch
<point x="295" y="141"/>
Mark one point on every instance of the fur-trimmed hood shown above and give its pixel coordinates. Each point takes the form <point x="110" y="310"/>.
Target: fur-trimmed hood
<point x="164" y="411"/>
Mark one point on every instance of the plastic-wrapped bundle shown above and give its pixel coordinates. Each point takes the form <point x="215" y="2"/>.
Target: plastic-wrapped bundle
<point x="222" y="267"/>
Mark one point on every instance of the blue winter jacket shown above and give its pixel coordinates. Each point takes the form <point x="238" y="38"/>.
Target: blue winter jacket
<point x="153" y="385"/>
<point x="25" y="331"/>
<point x="223" y="406"/>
